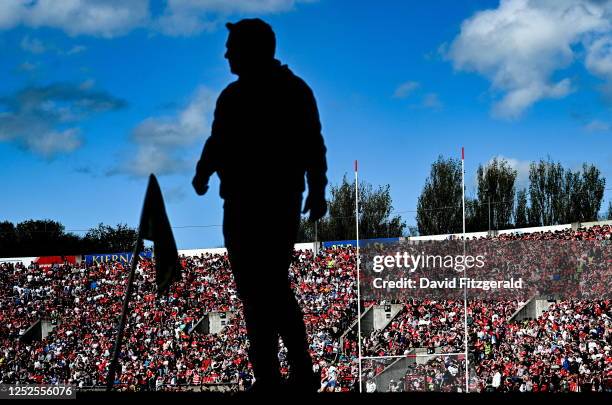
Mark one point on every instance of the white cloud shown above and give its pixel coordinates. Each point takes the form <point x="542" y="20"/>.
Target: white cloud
<point x="234" y="6"/>
<point x="76" y="49"/>
<point x="36" y="46"/>
<point x="405" y="89"/>
<point x="522" y="43"/>
<point x="431" y="100"/>
<point x="599" y="62"/>
<point x="105" y="18"/>
<point x="597" y="126"/>
<point x="111" y="18"/>
<point x="162" y="142"/>
<point x="175" y="194"/>
<point x="44" y="119"/>
<point x="188" y="17"/>
<point x="599" y="56"/>
<point x="11" y="13"/>
<point x="183" y="23"/>
<point x="27" y="67"/>
<point x="55" y="142"/>
<point x="87" y="84"/>
<point x="521" y="167"/>
<point x="32" y="45"/>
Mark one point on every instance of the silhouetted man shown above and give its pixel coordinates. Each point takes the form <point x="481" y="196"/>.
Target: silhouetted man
<point x="266" y="138"/>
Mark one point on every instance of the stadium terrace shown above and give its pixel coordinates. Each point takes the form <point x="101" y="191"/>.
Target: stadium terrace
<point x="566" y="347"/>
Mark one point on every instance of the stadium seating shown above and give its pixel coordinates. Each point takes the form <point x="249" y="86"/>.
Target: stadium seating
<point x="568" y="348"/>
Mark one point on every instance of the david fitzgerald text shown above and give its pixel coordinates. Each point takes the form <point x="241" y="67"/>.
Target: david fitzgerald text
<point x="447" y="283"/>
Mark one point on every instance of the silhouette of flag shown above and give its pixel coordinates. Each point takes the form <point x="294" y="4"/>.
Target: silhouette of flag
<point x="155" y="226"/>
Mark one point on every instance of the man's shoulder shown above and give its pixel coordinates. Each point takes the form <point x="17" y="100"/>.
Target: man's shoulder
<point x="297" y="82"/>
<point x="230" y="90"/>
<point x="288" y="81"/>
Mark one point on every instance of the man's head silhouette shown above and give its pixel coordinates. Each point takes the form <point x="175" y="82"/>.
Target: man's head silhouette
<point x="251" y="45"/>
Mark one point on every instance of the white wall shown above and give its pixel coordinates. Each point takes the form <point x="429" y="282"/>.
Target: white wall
<point x="552" y="228"/>
<point x="25" y="260"/>
<point x="198" y="252"/>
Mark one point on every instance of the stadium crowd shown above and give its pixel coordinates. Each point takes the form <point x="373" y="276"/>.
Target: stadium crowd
<point x="160" y="350"/>
<point x="568" y="348"/>
<point x="437" y="325"/>
<point x="439" y="374"/>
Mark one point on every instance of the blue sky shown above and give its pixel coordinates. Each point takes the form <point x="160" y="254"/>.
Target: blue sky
<point x="95" y="94"/>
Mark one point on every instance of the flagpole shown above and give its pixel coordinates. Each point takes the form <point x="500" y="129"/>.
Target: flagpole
<point x="358" y="279"/>
<point x="112" y="371"/>
<point x="155" y="226"/>
<point x="465" y="311"/>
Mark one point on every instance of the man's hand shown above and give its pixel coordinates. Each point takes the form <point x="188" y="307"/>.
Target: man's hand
<point x="316" y="204"/>
<point x="200" y="186"/>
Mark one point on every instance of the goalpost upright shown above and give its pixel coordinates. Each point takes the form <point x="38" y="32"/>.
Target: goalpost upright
<point x="465" y="311"/>
<point x="358" y="278"/>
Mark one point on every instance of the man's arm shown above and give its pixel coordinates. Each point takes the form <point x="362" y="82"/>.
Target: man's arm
<point x="315" y="160"/>
<point x="205" y="167"/>
<point x="316" y="163"/>
<point x="209" y="160"/>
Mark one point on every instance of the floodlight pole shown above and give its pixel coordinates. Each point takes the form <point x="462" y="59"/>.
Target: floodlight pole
<point x="112" y="370"/>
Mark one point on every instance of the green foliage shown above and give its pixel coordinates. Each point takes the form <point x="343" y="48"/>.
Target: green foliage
<point x="496" y="189"/>
<point x="439" y="209"/>
<point x="375" y="215"/>
<point x="49" y="238"/>
<point x="106" y="239"/>
<point x="555" y="195"/>
<point x="8" y="238"/>
<point x="560" y="196"/>
<point x="520" y="215"/>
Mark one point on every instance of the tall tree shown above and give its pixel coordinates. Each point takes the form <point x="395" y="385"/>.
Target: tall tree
<point x="558" y="195"/>
<point x="41" y="238"/>
<point x="472" y="221"/>
<point x="49" y="238"/>
<point x="8" y="239"/>
<point x="546" y="193"/>
<point x="339" y="223"/>
<point x="108" y="239"/>
<point x="570" y="205"/>
<point x="520" y="215"/>
<point x="375" y="219"/>
<point x="496" y="189"/>
<point x="439" y="205"/>
<point x="589" y="192"/>
<point x="609" y="215"/>
<point x="308" y="231"/>
<point x="375" y="215"/>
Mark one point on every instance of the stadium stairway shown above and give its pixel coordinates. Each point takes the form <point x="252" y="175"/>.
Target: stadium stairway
<point x="396" y="370"/>
<point x="38" y="331"/>
<point x="375" y="317"/>
<point x="532" y="309"/>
